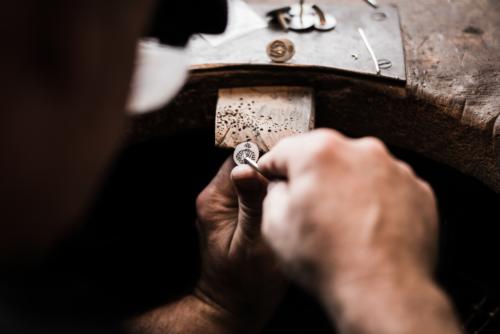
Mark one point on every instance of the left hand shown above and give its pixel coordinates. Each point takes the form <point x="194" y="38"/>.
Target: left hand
<point x="239" y="272"/>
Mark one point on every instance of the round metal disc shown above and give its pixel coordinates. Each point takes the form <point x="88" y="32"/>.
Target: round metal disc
<point x="281" y="50"/>
<point x="329" y="24"/>
<point x="306" y="23"/>
<point x="244" y="150"/>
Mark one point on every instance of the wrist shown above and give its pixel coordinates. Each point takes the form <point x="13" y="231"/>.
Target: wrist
<point x="394" y="302"/>
<point x="188" y="315"/>
<point x="224" y="318"/>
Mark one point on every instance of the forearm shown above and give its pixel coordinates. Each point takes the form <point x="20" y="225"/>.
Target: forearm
<point x="405" y="305"/>
<point x="189" y="315"/>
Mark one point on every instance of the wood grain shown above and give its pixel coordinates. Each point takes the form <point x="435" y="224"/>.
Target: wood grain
<point x="447" y="111"/>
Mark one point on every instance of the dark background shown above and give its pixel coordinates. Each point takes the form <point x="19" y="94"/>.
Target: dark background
<point x="138" y="247"/>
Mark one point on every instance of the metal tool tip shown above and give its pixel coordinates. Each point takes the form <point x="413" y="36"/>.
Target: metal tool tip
<point x="253" y="164"/>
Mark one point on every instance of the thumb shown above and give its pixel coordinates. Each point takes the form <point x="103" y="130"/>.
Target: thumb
<point x="251" y="189"/>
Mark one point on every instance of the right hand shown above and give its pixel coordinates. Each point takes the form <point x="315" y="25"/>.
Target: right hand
<point x="348" y="211"/>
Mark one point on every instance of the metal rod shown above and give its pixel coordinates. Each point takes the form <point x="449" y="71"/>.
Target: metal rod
<point x="254" y="165"/>
<point x="372" y="3"/>
<point x="368" y="46"/>
<point x="301" y="10"/>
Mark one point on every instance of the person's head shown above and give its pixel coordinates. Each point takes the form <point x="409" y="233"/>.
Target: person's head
<point x="174" y="21"/>
<point x="66" y="71"/>
<point x="162" y="63"/>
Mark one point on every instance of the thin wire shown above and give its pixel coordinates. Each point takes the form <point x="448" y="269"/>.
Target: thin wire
<point x="301" y="11"/>
<point x="254" y="165"/>
<point x="477" y="309"/>
<point x="368" y="46"/>
<point x="372" y="3"/>
<point x="491" y="316"/>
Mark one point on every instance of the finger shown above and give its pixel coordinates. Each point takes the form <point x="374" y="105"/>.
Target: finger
<point x="405" y="168"/>
<point x="221" y="183"/>
<point x="251" y="188"/>
<point x="292" y="152"/>
<point x="275" y="211"/>
<point x="274" y="164"/>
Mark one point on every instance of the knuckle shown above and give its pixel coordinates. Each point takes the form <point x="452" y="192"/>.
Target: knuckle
<point x="373" y="146"/>
<point x="327" y="135"/>
<point x="283" y="145"/>
<point x="405" y="168"/>
<point x="426" y="189"/>
<point x="325" y="132"/>
<point x="325" y="143"/>
<point x="201" y="203"/>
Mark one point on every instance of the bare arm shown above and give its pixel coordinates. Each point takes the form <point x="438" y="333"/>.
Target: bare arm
<point x="389" y="304"/>
<point x="359" y="229"/>
<point x="241" y="282"/>
<point x="189" y="315"/>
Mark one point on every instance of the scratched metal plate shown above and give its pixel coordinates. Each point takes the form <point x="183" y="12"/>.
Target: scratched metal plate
<point x="264" y="115"/>
<point x="329" y="50"/>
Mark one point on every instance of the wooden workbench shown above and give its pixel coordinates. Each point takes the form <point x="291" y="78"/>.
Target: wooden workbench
<point x="447" y="110"/>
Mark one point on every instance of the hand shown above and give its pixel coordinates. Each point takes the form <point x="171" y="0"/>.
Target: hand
<point x="348" y="209"/>
<point x="240" y="284"/>
<point x="239" y="271"/>
<point x="357" y="227"/>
